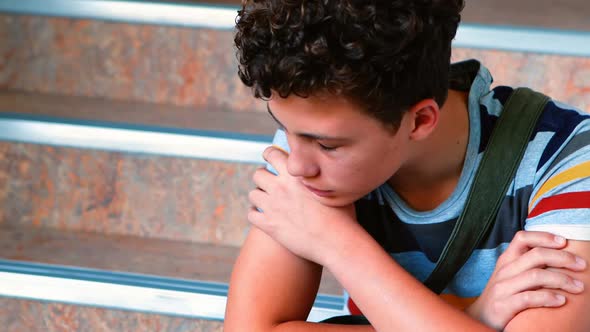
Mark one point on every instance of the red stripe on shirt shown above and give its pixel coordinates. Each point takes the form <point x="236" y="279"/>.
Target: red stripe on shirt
<point x="575" y="200"/>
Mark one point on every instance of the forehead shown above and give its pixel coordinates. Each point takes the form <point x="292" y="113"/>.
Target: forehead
<point x="324" y="108"/>
<point x="324" y="116"/>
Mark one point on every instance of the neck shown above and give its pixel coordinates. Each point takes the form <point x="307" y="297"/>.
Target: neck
<point x="428" y="179"/>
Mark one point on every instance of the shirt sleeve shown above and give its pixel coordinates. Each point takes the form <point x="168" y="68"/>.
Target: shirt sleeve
<point x="560" y="203"/>
<point x="279" y="141"/>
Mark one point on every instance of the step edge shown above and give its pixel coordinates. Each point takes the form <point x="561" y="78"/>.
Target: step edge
<point x="193" y="15"/>
<point x="37" y="281"/>
<point x="129" y="138"/>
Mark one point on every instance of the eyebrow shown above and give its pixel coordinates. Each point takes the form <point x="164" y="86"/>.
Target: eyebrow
<point x="307" y="135"/>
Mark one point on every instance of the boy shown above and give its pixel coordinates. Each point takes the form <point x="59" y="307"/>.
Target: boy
<point x="384" y="137"/>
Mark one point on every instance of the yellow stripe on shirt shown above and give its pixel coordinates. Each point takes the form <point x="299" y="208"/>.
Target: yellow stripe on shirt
<point x="577" y="172"/>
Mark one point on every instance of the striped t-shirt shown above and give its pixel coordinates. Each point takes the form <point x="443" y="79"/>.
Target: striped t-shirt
<point x="550" y="191"/>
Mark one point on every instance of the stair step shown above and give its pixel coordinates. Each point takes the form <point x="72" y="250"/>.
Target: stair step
<point x="148" y="196"/>
<point x="130" y="254"/>
<point x="124" y="272"/>
<point x="189" y="183"/>
<point x="142" y="115"/>
<point x="18" y="315"/>
<point x="197" y="66"/>
<point x="155" y="64"/>
<point x="133" y="127"/>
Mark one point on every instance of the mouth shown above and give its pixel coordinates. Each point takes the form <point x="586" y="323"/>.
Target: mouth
<point x="318" y="192"/>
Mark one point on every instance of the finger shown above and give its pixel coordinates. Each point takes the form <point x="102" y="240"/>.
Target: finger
<point x="256" y="218"/>
<point x="258" y="199"/>
<point x="523" y="241"/>
<point x="276" y="157"/>
<point x="263" y="178"/>
<point x="532" y="299"/>
<point x="542" y="258"/>
<point x="541" y="278"/>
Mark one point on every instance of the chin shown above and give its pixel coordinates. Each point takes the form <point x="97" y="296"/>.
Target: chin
<point x="335" y="201"/>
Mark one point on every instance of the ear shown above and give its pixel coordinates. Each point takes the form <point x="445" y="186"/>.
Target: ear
<point x="423" y="117"/>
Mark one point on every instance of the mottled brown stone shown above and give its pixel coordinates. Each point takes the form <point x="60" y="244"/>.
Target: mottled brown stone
<point x="18" y="315"/>
<point x="171" y="65"/>
<point x="561" y="77"/>
<point x="197" y="67"/>
<point x="150" y="196"/>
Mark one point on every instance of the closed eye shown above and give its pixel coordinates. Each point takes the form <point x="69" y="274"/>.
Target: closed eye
<point x="326" y="147"/>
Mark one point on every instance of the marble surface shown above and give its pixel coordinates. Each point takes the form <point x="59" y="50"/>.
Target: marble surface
<point x="180" y="199"/>
<point x="179" y="66"/>
<point x="114" y="193"/>
<point x="18" y="315"/>
<point x="563" y="78"/>
<point x="197" y="67"/>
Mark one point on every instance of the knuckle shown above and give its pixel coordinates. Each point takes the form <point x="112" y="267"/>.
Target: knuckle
<point x="564" y="279"/>
<point x="537" y="253"/>
<point x="268" y="152"/>
<point x="253" y="197"/>
<point x="544" y="296"/>
<point x="520" y="236"/>
<point x="501" y="260"/>
<point x="526" y="298"/>
<point x="536" y="275"/>
<point x="566" y="256"/>
<point x="496" y="289"/>
<point x="501" y="270"/>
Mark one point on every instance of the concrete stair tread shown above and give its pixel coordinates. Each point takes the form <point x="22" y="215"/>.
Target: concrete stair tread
<point x="166" y="258"/>
<point x="133" y="112"/>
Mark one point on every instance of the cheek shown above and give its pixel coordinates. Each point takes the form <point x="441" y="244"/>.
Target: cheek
<point x="354" y="175"/>
<point x="374" y="172"/>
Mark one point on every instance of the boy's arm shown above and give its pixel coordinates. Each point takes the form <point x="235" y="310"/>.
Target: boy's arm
<point x="391" y="298"/>
<point x="271" y="289"/>
<point x="560" y="204"/>
<point x="394" y="301"/>
<point x="573" y="316"/>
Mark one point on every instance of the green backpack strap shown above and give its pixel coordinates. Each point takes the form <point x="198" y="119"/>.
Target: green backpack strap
<point x="495" y="173"/>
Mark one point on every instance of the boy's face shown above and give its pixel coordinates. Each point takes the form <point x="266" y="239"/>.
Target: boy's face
<point x="339" y="153"/>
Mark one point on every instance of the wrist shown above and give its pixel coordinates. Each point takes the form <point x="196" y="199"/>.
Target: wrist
<point x="474" y="310"/>
<point x="349" y="237"/>
<point x="471" y="309"/>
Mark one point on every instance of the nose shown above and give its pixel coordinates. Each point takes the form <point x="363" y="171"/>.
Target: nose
<point x="301" y="164"/>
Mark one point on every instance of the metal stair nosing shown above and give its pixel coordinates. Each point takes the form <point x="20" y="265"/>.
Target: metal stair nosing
<point x="130" y="291"/>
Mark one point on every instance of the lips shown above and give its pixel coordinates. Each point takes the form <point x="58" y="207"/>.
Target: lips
<point x="318" y="192"/>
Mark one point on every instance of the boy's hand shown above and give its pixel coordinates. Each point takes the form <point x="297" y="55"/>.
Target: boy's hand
<point x="521" y="279"/>
<point x="286" y="210"/>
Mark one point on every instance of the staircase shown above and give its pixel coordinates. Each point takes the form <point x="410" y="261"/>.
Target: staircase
<point x="127" y="143"/>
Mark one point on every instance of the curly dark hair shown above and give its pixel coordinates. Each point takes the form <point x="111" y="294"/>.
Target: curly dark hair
<point x="384" y="55"/>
